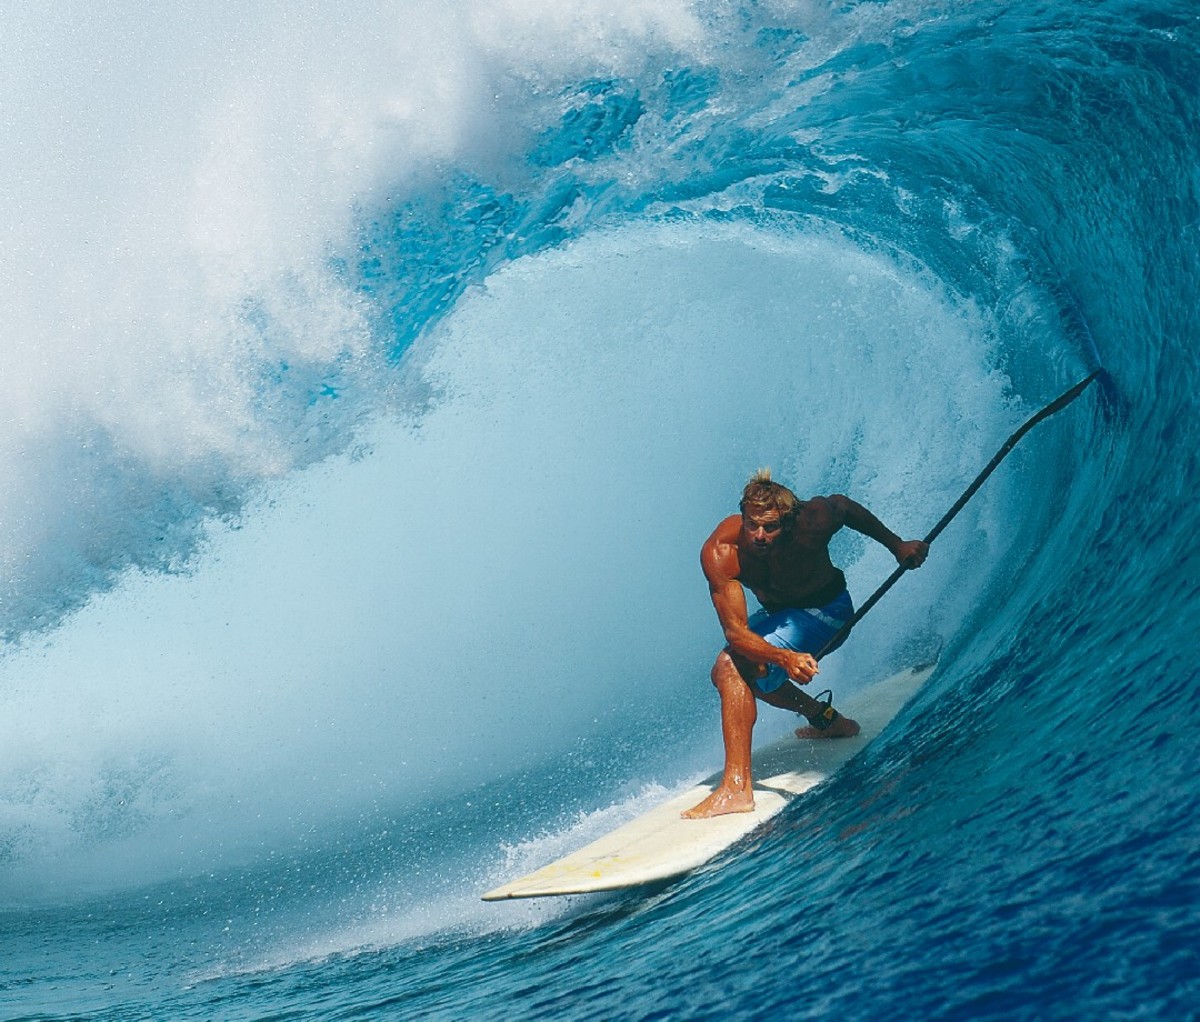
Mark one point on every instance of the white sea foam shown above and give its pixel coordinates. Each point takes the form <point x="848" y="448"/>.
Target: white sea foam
<point x="175" y="184"/>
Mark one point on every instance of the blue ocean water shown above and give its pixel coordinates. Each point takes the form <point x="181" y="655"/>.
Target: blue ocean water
<point x="373" y="375"/>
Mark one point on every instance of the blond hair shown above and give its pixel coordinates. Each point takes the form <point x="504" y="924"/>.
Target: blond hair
<point x="764" y="494"/>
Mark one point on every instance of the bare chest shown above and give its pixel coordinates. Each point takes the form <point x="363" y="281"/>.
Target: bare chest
<point x="785" y="578"/>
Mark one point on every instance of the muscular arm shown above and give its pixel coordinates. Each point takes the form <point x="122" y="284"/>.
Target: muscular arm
<point x="719" y="559"/>
<point x="911" y="553"/>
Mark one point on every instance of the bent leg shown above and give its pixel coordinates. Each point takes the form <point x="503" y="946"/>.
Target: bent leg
<point x="789" y="697"/>
<point x="735" y="794"/>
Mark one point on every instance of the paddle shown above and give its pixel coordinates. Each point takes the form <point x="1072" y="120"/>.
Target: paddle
<point x="1056" y="405"/>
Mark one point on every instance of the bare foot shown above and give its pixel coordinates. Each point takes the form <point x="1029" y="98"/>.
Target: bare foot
<point x="721" y="802"/>
<point x="843" y="727"/>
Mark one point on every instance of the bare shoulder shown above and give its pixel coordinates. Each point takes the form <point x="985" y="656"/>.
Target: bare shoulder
<point x="838" y="506"/>
<point x="719" y="555"/>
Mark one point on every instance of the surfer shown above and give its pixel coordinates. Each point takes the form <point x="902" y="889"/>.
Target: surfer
<point x="778" y="548"/>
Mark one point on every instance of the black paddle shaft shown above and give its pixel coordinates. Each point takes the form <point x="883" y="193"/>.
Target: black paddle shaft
<point x="1056" y="405"/>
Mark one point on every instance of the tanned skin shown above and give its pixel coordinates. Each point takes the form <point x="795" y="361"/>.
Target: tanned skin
<point x="781" y="564"/>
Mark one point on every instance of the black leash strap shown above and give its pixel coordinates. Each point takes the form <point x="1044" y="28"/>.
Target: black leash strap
<point x="1054" y="406"/>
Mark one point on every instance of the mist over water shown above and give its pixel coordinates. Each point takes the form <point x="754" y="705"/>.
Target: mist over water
<point x="183" y="330"/>
<point x="384" y="628"/>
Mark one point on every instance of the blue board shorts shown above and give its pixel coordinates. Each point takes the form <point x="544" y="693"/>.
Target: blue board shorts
<point x="802" y="629"/>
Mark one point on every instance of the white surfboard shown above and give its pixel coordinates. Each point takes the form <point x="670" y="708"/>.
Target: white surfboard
<point x="660" y="844"/>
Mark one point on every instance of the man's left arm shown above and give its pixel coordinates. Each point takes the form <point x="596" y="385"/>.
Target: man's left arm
<point x="911" y="553"/>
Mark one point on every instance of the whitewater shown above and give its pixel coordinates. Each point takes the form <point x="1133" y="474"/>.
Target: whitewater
<point x="372" y="375"/>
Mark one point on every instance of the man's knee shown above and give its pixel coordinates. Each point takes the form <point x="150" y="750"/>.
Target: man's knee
<point x="721" y="668"/>
<point x="729" y="669"/>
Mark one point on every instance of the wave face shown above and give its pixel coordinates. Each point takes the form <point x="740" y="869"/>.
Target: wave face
<point x="374" y="377"/>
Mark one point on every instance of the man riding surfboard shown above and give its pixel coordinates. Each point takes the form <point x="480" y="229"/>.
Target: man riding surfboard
<point x="778" y="548"/>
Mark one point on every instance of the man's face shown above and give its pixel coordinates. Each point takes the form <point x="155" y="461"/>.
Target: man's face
<point x="761" y="529"/>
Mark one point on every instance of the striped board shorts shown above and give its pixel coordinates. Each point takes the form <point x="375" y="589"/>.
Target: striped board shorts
<point x="802" y="629"/>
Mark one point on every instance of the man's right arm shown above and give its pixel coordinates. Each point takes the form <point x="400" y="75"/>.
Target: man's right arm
<point x="719" y="558"/>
